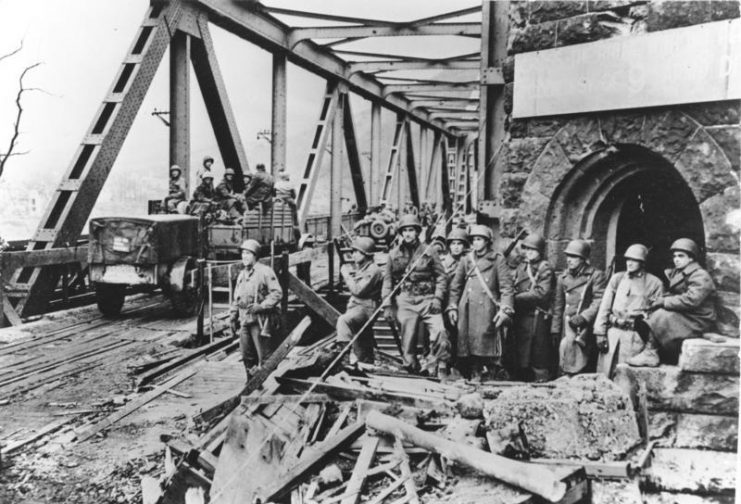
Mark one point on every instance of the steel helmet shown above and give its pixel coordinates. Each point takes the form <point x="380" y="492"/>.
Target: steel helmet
<point x="176" y="167"/>
<point x="535" y="242"/>
<point x="207" y="159"/>
<point x="458" y="234"/>
<point x="409" y="220"/>
<point x="207" y="175"/>
<point x="686" y="245"/>
<point x="252" y="246"/>
<point x="364" y="244"/>
<point x="637" y="252"/>
<point x="578" y="248"/>
<point x="229" y="171"/>
<point x="481" y="230"/>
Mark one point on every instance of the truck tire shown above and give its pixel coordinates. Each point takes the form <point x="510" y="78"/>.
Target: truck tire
<point x="183" y="294"/>
<point x="184" y="303"/>
<point x="110" y="298"/>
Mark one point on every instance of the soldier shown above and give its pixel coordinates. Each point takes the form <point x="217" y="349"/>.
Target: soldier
<point x="534" y="281"/>
<point x="176" y="194"/>
<point x="284" y="190"/>
<point x="208" y="162"/>
<point x="203" y="196"/>
<point x="260" y="189"/>
<point x="686" y="311"/>
<point x="253" y="310"/>
<point x="419" y="297"/>
<point x="457" y="246"/>
<point x="481" y="303"/>
<point x="225" y="196"/>
<point x="629" y="293"/>
<point x="579" y="291"/>
<point x="364" y="282"/>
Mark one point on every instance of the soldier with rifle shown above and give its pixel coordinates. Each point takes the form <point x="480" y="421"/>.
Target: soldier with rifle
<point x="481" y="304"/>
<point x="579" y="291"/>
<point x="626" y="298"/>
<point x="533" y="352"/>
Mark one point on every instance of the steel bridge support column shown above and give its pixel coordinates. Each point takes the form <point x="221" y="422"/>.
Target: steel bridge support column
<point x="494" y="31"/>
<point x="375" y="161"/>
<point x="180" y="105"/>
<point x="335" y="201"/>
<point x="278" y="128"/>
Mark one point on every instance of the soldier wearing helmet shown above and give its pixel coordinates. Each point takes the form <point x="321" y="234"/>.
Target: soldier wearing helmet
<point x="364" y="281"/>
<point x="687" y="310"/>
<point x="226" y="198"/>
<point x="626" y="298"/>
<point x="176" y="193"/>
<point x="481" y="303"/>
<point x="203" y="197"/>
<point x="534" y="282"/>
<point x="253" y="313"/>
<point x="457" y="241"/>
<point x="415" y="282"/>
<point x="208" y="162"/>
<point x="260" y="190"/>
<point x="579" y="291"/>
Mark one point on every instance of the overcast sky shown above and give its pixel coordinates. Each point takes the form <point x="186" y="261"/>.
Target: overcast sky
<point x="81" y="43"/>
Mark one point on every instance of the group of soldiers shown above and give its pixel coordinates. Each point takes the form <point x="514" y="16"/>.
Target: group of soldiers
<point x="221" y="203"/>
<point x="479" y="317"/>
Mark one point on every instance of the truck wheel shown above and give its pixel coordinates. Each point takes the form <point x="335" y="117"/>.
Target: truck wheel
<point x="110" y="298"/>
<point x="184" y="301"/>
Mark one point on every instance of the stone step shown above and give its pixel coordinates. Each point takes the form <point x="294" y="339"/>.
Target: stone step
<point x="702" y="472"/>
<point x="671" y="389"/>
<point x="687" y="430"/>
<point x="701" y="355"/>
<point x="673" y="498"/>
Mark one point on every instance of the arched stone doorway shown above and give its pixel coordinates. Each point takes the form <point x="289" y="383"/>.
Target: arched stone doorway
<point x="621" y="195"/>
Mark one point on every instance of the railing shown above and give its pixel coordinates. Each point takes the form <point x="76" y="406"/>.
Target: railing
<point x="318" y="225"/>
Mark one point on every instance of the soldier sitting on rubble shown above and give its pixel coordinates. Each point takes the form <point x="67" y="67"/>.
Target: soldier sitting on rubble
<point x="481" y="304"/>
<point x="687" y="310"/>
<point x="364" y="281"/>
<point x="579" y="291"/>
<point x="260" y="189"/>
<point x="419" y="298"/>
<point x="227" y="199"/>
<point x="202" y="203"/>
<point x="176" y="194"/>
<point x="627" y="296"/>
<point x="253" y="312"/>
<point x="534" y="282"/>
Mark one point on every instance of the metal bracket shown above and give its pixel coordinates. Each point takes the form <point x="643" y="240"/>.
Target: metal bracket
<point x="492" y="76"/>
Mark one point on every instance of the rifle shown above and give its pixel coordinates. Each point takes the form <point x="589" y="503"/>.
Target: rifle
<point x="522" y="234"/>
<point x="581" y="334"/>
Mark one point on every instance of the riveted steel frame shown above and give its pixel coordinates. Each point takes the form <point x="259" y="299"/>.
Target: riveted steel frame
<point x="411" y="165"/>
<point x="279" y="115"/>
<point x="393" y="163"/>
<point x="180" y="105"/>
<point x="353" y="155"/>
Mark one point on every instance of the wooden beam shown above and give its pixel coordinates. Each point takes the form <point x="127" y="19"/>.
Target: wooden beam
<point x="313" y="300"/>
<point x="47" y="429"/>
<point x="360" y="471"/>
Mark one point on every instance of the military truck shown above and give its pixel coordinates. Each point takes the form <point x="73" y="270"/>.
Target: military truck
<point x="156" y="250"/>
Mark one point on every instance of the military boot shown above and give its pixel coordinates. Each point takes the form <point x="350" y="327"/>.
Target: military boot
<point x="649" y="356"/>
<point x="442" y="372"/>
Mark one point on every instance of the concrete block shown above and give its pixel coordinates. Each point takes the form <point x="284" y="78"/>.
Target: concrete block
<point x="691" y="471"/>
<point x="704" y="356"/>
<point x="722" y="236"/>
<point x="671" y="389"/>
<point x="687" y="430"/>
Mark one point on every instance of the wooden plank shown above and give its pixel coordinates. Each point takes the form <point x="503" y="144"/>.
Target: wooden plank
<point x="406" y="471"/>
<point x="91" y="430"/>
<point x="580" y="78"/>
<point x="48" y="429"/>
<point x="313" y="300"/>
<point x="10" y="312"/>
<point x="606" y="470"/>
<point x="309" y="464"/>
<point x="285" y="399"/>
<point x="345" y="410"/>
<point x="11" y="261"/>
<point x="360" y="471"/>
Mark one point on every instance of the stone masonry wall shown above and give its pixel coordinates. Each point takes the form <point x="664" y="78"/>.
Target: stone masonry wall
<point x="702" y="141"/>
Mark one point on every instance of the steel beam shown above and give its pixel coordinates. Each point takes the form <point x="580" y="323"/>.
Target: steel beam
<point x="316" y="152"/>
<point x="329" y="32"/>
<point x="451" y="104"/>
<point x="278" y="127"/>
<point x="445" y="180"/>
<point x="495" y="30"/>
<point x="335" y="199"/>
<point x="243" y="20"/>
<point x="180" y="105"/>
<point x="433" y="168"/>
<point x="424" y="150"/>
<point x="445" y="15"/>
<point x="392" y="65"/>
<point x="393" y="162"/>
<point x="353" y="155"/>
<point x="375" y="142"/>
<point x="217" y="103"/>
<point x="73" y="201"/>
<point x="438" y="87"/>
<point x="411" y="165"/>
<point x="327" y="17"/>
<point x="471" y="115"/>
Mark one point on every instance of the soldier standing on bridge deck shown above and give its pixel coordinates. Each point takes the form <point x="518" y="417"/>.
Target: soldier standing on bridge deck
<point x="419" y="298"/>
<point x="629" y="293"/>
<point x="176" y="194"/>
<point x="253" y="311"/>
<point x="457" y="246"/>
<point x="534" y="283"/>
<point x="686" y="311"/>
<point x="579" y="291"/>
<point x="481" y="304"/>
<point x="364" y="282"/>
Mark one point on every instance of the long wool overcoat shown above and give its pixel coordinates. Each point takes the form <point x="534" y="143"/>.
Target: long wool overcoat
<point x="476" y="333"/>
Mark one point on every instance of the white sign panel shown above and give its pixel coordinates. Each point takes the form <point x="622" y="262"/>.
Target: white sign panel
<point x="685" y="65"/>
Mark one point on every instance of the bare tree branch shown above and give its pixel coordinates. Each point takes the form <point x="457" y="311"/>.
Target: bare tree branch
<point x="12" y="53"/>
<point x="17" y="124"/>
